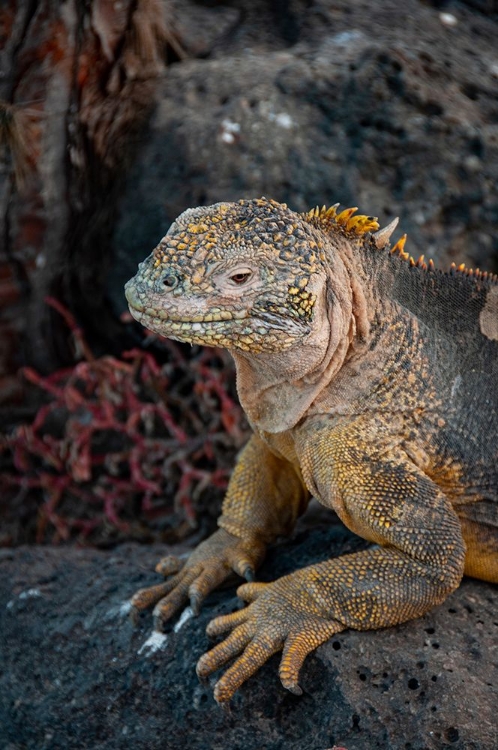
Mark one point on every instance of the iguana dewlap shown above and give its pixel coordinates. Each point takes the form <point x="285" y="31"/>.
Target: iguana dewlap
<point x="370" y="382"/>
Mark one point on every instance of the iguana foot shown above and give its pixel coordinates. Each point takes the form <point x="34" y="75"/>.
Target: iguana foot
<point x="281" y="617"/>
<point x="208" y="566"/>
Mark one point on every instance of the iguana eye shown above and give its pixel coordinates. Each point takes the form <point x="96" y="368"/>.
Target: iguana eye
<point x="237" y="280"/>
<point x="240" y="277"/>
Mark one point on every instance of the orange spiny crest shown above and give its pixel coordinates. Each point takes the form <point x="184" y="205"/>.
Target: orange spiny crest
<point x="473" y="272"/>
<point x="313" y="213"/>
<point x="322" y="214"/>
<point x="399" y="248"/>
<point x="361" y="224"/>
<point x="344" y="220"/>
<point x="461" y="269"/>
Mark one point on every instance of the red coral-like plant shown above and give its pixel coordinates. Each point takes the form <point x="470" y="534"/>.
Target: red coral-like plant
<point x="125" y="441"/>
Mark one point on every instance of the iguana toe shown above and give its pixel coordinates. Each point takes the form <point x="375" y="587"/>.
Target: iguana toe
<point x="147" y="597"/>
<point x="169" y="565"/>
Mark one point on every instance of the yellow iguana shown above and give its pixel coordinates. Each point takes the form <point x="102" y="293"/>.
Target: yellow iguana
<point x="370" y="382"/>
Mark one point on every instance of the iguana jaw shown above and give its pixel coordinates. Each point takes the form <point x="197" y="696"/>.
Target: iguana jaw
<point x="193" y="320"/>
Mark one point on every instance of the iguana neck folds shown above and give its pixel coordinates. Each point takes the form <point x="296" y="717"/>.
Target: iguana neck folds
<point x="277" y="390"/>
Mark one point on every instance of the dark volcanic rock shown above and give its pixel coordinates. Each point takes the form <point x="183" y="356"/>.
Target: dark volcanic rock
<point x="76" y="673"/>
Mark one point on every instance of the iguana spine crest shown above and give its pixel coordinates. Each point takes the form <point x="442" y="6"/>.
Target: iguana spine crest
<point x="327" y="218"/>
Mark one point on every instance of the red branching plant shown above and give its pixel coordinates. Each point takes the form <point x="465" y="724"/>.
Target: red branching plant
<point x="122" y="442"/>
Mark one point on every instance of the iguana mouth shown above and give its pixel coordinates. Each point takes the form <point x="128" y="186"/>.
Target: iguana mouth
<point x="219" y="328"/>
<point x="211" y="317"/>
<point x="203" y="321"/>
<point x="212" y="332"/>
<point x="193" y="323"/>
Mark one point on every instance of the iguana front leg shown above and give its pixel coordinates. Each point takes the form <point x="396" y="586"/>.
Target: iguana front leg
<point x="385" y="498"/>
<point x="265" y="496"/>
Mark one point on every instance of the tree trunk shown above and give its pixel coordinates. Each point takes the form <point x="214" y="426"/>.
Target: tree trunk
<point x="80" y="83"/>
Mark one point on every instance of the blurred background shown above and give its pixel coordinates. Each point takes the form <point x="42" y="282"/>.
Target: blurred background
<point x="114" y="118"/>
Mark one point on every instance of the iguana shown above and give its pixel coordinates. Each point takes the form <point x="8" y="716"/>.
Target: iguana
<point x="370" y="381"/>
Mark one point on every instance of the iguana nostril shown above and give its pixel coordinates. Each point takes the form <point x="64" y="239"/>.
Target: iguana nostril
<point x="165" y="282"/>
<point x="170" y="281"/>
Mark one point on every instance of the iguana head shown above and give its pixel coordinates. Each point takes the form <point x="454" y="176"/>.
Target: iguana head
<point x="243" y="275"/>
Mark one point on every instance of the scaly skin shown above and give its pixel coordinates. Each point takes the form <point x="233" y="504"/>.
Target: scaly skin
<point x="370" y="383"/>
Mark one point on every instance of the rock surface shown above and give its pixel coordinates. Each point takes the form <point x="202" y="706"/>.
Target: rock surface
<point x="76" y="673"/>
